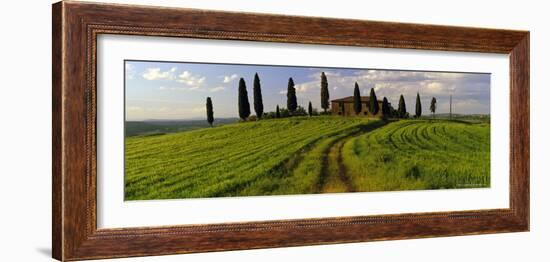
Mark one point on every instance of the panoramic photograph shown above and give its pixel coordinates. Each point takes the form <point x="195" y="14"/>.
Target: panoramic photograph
<point x="202" y="130"/>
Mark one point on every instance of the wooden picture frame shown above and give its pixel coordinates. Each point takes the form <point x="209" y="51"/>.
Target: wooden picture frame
<point x="76" y="26"/>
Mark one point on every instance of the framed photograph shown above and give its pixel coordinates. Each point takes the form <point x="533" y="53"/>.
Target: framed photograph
<point x="181" y="130"/>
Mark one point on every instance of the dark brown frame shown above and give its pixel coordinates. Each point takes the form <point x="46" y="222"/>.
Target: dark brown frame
<point x="76" y="26"/>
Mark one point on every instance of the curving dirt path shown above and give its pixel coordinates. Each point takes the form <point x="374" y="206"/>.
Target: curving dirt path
<point x="343" y="174"/>
<point x="334" y="177"/>
<point x="333" y="174"/>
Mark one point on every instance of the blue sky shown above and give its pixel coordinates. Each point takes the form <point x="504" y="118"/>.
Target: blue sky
<point x="167" y="90"/>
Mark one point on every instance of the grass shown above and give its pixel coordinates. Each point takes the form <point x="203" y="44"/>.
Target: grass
<point x="223" y="161"/>
<point x="303" y="155"/>
<point x="420" y="154"/>
<point x="311" y="170"/>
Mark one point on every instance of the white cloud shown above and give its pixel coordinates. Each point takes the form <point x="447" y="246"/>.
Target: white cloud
<point x="130" y="71"/>
<point x="305" y="87"/>
<point x="473" y="88"/>
<point x="191" y="81"/>
<point x="229" y="78"/>
<point x="216" y="89"/>
<point x="188" y="81"/>
<point x="157" y="74"/>
<point x="302" y="88"/>
<point x="434" y="86"/>
<point x="328" y="73"/>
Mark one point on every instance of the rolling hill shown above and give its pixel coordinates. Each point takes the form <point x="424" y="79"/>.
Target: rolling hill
<point x="302" y="155"/>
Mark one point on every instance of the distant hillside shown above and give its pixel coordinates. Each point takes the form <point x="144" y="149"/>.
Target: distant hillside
<point x="157" y="127"/>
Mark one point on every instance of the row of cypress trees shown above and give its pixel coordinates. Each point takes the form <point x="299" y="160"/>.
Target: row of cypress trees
<point x="402" y="107"/>
<point x="386" y="109"/>
<point x="418" y="109"/>
<point x="374" y="107"/>
<point x="373" y="102"/>
<point x="292" y="103"/>
<point x="244" y="105"/>
<point x="402" y="110"/>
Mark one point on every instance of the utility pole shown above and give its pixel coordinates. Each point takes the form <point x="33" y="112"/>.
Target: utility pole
<point x="451" y="108"/>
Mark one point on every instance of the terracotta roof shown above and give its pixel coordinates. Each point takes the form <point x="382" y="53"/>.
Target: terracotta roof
<point x="350" y="99"/>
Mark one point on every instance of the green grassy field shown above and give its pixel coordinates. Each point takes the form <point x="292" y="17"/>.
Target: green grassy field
<point x="420" y="154"/>
<point x="304" y="155"/>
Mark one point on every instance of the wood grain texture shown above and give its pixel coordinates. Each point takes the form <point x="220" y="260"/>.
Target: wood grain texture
<point x="76" y="27"/>
<point x="57" y="195"/>
<point x="519" y="129"/>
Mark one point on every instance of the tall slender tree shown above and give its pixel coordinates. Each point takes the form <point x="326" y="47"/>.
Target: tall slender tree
<point x="310" y="109"/>
<point x="209" y="111"/>
<point x="324" y="92"/>
<point x="244" y="105"/>
<point x="433" y="106"/>
<point x="356" y="99"/>
<point x="386" y="111"/>
<point x="418" y="108"/>
<point x="258" y="101"/>
<point x="291" y="101"/>
<point x="277" y="112"/>
<point x="402" y="108"/>
<point x="373" y="102"/>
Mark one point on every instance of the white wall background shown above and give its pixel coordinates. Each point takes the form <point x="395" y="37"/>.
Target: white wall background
<point x="25" y="124"/>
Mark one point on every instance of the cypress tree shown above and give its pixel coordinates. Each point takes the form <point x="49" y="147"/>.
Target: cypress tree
<point x="258" y="102"/>
<point x="402" y="108"/>
<point x="277" y="112"/>
<point x="244" y="105"/>
<point x="209" y="111"/>
<point x="385" y="108"/>
<point x="324" y="92"/>
<point x="433" y="106"/>
<point x="291" y="102"/>
<point x="418" y="109"/>
<point x="373" y="105"/>
<point x="310" y="109"/>
<point x="356" y="99"/>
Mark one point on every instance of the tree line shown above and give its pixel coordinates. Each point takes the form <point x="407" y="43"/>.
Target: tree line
<point x="293" y="109"/>
<point x="387" y="110"/>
